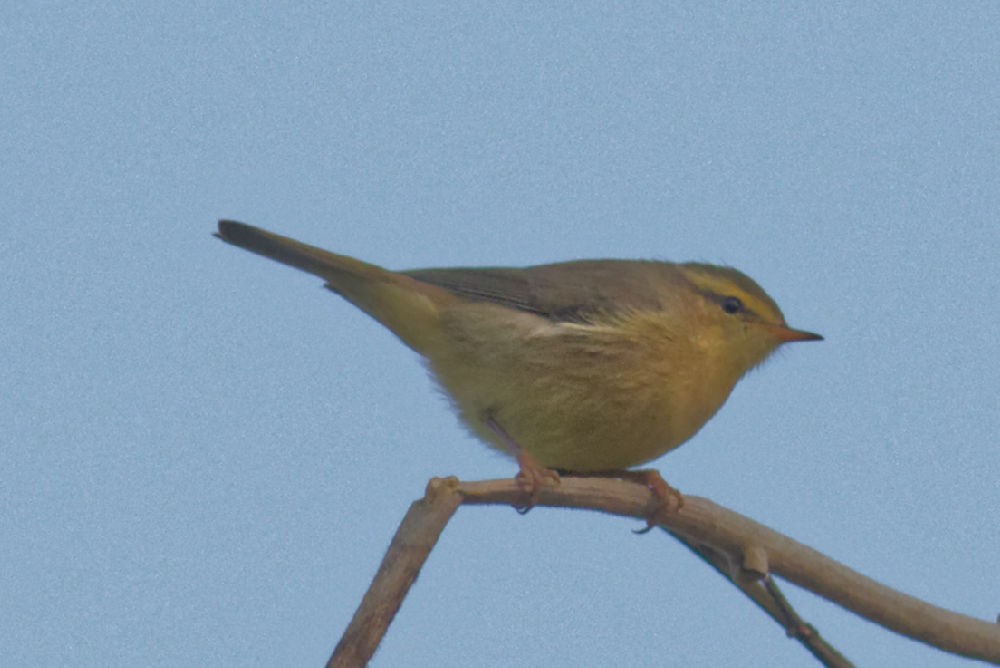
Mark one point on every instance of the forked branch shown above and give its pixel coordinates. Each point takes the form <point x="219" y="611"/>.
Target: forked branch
<point x="744" y="551"/>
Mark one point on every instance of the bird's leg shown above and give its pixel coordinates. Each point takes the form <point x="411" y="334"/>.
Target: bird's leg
<point x="531" y="476"/>
<point x="670" y="498"/>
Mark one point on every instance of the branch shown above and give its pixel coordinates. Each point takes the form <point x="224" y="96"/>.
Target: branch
<point x="761" y="588"/>
<point x="739" y="548"/>
<point x="416" y="536"/>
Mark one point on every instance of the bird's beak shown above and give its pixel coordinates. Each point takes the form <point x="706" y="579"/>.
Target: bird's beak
<point x="787" y="334"/>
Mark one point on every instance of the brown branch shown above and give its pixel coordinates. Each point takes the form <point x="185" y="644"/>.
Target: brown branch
<point x="416" y="536"/>
<point x="739" y="548"/>
<point x="760" y="587"/>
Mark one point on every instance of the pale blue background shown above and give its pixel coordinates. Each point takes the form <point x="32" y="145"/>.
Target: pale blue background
<point x="204" y="454"/>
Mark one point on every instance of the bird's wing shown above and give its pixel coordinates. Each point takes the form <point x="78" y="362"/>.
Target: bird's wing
<point x="566" y="292"/>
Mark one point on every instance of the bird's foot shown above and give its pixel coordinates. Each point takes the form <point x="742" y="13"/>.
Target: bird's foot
<point x="669" y="499"/>
<point x="532" y="478"/>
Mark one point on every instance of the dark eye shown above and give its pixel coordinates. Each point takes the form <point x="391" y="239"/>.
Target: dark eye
<point x="732" y="305"/>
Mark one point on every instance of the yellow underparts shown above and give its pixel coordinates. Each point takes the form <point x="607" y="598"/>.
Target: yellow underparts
<point x="579" y="397"/>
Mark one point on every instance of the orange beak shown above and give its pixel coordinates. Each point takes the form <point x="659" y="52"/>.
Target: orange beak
<point x="787" y="334"/>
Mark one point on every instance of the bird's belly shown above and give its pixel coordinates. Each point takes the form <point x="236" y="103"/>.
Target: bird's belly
<point x="578" y="419"/>
<point x="576" y="397"/>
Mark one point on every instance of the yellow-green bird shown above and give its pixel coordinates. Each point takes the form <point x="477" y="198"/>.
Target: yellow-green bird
<point x="588" y="367"/>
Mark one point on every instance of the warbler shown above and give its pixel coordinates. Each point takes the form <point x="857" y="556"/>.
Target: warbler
<point x="588" y="367"/>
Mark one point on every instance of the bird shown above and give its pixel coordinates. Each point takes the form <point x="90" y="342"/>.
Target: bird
<point x="585" y="367"/>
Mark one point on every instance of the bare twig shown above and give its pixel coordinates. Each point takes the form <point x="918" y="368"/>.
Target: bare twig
<point x="761" y="588"/>
<point x="416" y="536"/>
<point x="743" y="550"/>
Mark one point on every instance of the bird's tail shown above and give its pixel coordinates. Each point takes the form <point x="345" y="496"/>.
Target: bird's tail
<point x="408" y="307"/>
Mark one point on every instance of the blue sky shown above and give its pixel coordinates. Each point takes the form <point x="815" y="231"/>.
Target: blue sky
<point x="204" y="454"/>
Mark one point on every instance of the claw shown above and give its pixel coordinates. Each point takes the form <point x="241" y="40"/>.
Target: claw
<point x="669" y="498"/>
<point x="532" y="478"/>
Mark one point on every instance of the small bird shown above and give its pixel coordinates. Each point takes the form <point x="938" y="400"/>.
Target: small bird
<point x="588" y="367"/>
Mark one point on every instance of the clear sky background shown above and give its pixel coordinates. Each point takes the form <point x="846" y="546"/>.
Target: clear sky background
<point x="203" y="454"/>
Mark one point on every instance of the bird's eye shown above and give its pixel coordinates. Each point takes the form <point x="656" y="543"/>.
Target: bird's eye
<point x="732" y="305"/>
